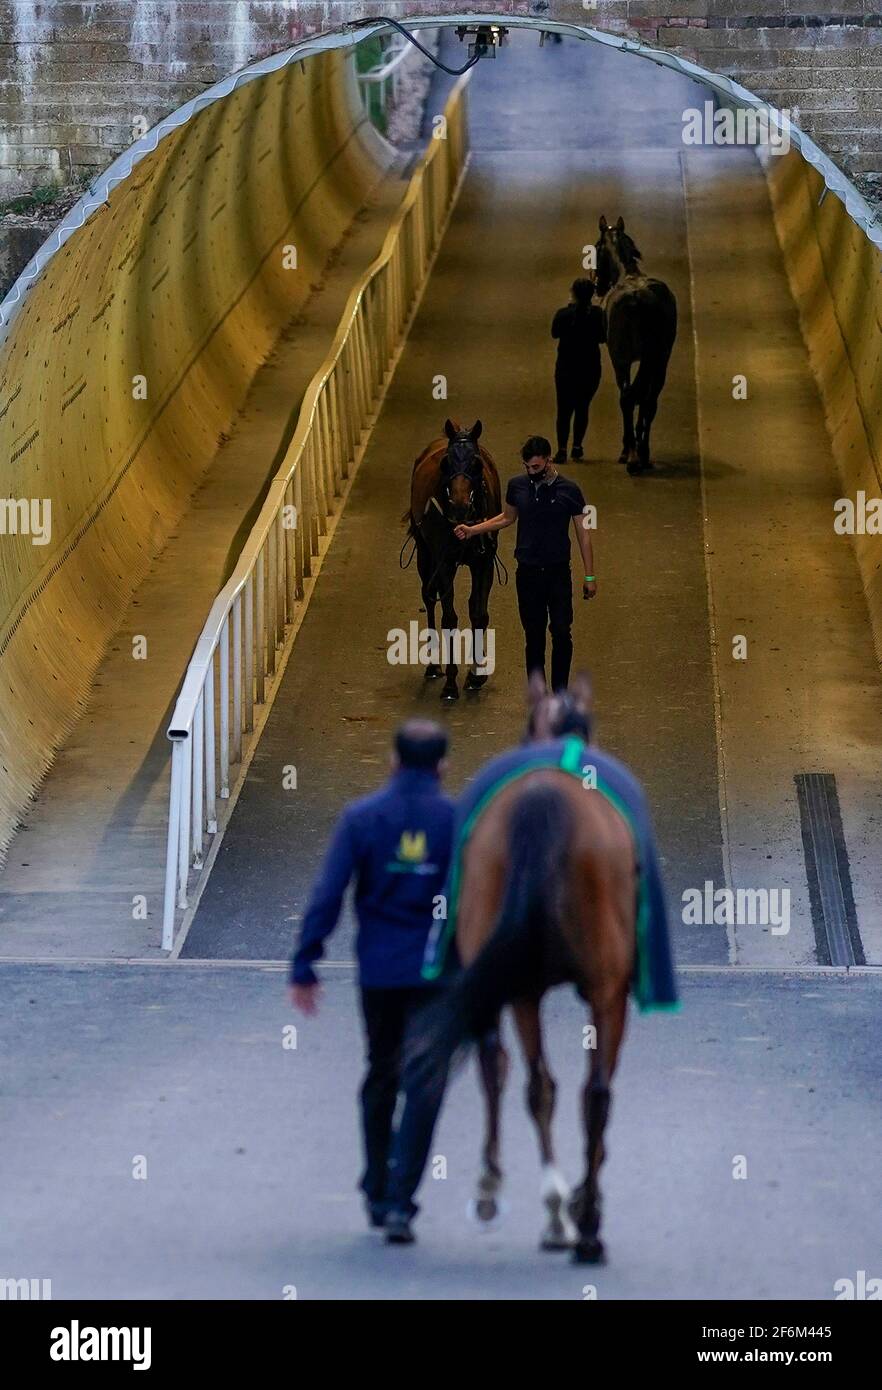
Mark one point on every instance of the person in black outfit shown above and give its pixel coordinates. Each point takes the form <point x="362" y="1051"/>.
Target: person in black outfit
<point x="579" y="331"/>
<point x="396" y="845"/>
<point x="543" y="504"/>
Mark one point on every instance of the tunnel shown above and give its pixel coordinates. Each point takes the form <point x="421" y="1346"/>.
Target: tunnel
<point x="131" y="344"/>
<point x="263" y="307"/>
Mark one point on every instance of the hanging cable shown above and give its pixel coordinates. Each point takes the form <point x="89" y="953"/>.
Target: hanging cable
<point x="453" y="72"/>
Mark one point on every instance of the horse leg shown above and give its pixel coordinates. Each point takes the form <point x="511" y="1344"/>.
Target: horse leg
<point x="644" y="420"/>
<point x="609" y="1021"/>
<point x="648" y="408"/>
<point x="493" y="1064"/>
<point x="426" y="568"/>
<point x="450" y="689"/>
<point x="560" y="1233"/>
<point x="626" y="402"/>
<point x="479" y="617"/>
<point x="645" y="416"/>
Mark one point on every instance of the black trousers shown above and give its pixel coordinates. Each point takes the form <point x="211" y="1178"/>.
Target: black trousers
<point x="575" y="392"/>
<point x="545" y="602"/>
<point x="394" y="1162"/>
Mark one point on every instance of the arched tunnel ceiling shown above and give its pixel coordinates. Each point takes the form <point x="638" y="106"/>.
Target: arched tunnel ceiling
<point x="129" y="343"/>
<point x="858" y="208"/>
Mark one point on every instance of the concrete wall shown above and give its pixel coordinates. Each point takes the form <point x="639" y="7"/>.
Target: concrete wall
<point x="77" y="77"/>
<point x="836" y="278"/>
<point x="178" y="283"/>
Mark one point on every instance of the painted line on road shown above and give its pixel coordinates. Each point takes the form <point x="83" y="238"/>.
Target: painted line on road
<point x="274" y="966"/>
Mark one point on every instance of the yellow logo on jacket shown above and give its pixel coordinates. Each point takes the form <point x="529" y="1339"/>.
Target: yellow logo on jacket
<point x="412" y="847"/>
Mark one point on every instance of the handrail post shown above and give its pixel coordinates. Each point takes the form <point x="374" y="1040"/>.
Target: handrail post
<point x="184" y="821"/>
<point x="225" y="709"/>
<point x="341" y="462"/>
<point x="290" y="553"/>
<point x="249" y="654"/>
<point x="237" y="679"/>
<point x="272" y="598"/>
<point x="299" y="531"/>
<point x="171" y="845"/>
<point x="281" y="564"/>
<point x="198" y="756"/>
<point x="210" y="751"/>
<point x="260" y="617"/>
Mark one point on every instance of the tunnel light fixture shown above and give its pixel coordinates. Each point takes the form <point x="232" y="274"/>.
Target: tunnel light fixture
<point x="483" y="39"/>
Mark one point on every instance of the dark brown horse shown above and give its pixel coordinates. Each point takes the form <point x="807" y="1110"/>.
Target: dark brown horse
<point x="641" y="326"/>
<point x="547" y="896"/>
<point x="455" y="480"/>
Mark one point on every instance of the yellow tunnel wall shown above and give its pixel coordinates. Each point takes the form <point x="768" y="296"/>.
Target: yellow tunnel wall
<point x="179" y="280"/>
<point x="836" y="278"/>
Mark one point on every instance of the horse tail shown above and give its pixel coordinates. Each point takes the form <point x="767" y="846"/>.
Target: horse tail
<point x="528" y="935"/>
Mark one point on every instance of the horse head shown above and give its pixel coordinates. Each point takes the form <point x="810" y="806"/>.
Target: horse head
<point x="617" y="255"/>
<point x="551" y="714"/>
<point x="462" y="469"/>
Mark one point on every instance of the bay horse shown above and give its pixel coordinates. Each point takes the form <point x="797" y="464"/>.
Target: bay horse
<point x="454" y="480"/>
<point x="547" y="895"/>
<point x="641" y="326"/>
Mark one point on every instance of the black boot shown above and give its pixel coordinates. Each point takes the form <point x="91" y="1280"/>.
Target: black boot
<point x="376" y="1214"/>
<point x="398" y="1229"/>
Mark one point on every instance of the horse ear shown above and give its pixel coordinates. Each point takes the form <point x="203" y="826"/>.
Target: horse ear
<point x="603" y="222"/>
<point x="475" y="431"/>
<point x="620" y="225"/>
<point x="582" y="692"/>
<point x="536" y="689"/>
<point x="449" y="429"/>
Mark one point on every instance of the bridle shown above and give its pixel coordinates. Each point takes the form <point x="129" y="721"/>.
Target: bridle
<point x="568" y="718"/>
<point x="458" y="467"/>
<point x="617" y="268"/>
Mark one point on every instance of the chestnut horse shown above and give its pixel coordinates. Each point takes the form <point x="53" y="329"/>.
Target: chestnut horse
<point x="547" y="895"/>
<point x="454" y="480"/>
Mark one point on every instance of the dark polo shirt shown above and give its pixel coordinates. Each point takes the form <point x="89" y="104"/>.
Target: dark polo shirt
<point x="544" y="512"/>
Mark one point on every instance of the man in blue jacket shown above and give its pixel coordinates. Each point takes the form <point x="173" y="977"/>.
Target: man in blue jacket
<point x="396" y="845"/>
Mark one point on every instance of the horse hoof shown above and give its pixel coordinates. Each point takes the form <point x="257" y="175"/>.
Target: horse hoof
<point x="589" y="1251"/>
<point x="634" y="466"/>
<point x="623" y="456"/>
<point x="561" y="1232"/>
<point x="486" y="1212"/>
<point x="554" y="1243"/>
<point x="474" y="682"/>
<point x="433" y="673"/>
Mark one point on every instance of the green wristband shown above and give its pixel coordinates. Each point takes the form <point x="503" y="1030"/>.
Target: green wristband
<point x="589" y="579"/>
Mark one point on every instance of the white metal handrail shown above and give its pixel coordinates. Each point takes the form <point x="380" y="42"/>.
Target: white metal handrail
<point x="236" y="654"/>
<point x="387" y="75"/>
<point x="399" y="52"/>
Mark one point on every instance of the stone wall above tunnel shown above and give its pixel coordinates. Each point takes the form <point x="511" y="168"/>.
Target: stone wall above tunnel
<point x="78" y="81"/>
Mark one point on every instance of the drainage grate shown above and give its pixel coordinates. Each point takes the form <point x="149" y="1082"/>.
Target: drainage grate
<point x="829" y="877"/>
